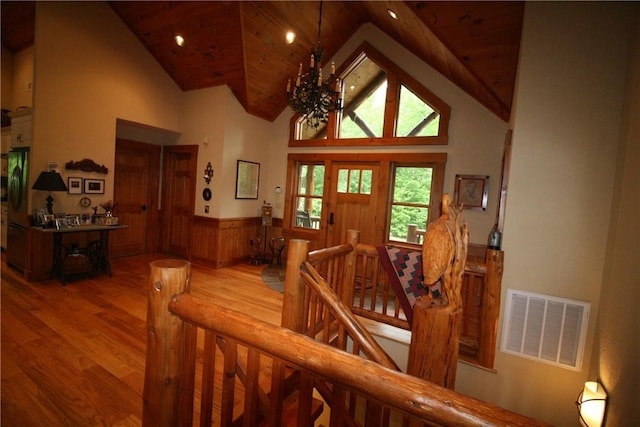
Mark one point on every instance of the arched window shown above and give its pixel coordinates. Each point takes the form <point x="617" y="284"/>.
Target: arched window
<point x="383" y="105"/>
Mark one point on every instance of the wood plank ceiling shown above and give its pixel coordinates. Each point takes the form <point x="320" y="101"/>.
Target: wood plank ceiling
<point x="241" y="43"/>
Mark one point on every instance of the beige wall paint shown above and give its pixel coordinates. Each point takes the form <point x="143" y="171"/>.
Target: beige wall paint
<point x="617" y="345"/>
<point x="89" y="71"/>
<point x="231" y="134"/>
<point x="6" y="78"/>
<point x="557" y="212"/>
<point x="567" y="130"/>
<point x="476" y="136"/>
<point x="17" y="73"/>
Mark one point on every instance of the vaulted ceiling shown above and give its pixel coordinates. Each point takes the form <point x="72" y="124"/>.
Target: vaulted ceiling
<point x="241" y="43"/>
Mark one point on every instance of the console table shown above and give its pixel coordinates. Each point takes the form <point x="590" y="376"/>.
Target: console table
<point x="97" y="251"/>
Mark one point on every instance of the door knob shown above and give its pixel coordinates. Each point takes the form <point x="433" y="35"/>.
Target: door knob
<point x="143" y="208"/>
<point x="331" y="219"/>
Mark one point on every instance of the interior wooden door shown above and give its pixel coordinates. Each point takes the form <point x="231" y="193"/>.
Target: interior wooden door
<point x="357" y="202"/>
<point x="178" y="198"/>
<point x="136" y="177"/>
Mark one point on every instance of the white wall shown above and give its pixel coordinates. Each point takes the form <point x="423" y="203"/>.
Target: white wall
<point x="476" y="136"/>
<point x="89" y="71"/>
<point x="567" y="130"/>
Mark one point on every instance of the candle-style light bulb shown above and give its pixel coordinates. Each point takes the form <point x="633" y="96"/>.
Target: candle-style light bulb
<point x="333" y="68"/>
<point x="312" y="62"/>
<point x="289" y="86"/>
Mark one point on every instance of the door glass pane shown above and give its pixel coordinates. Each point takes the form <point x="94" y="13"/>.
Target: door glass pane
<point x="354" y="181"/>
<point x="343" y="176"/>
<point x="366" y="181"/>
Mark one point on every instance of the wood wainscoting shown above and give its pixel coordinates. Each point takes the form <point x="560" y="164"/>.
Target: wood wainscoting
<point x="225" y="242"/>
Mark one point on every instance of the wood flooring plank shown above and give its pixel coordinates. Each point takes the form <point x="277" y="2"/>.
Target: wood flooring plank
<point x="74" y="355"/>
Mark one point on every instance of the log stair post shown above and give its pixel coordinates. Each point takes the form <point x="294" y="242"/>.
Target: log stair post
<point x="166" y="333"/>
<point x="436" y="325"/>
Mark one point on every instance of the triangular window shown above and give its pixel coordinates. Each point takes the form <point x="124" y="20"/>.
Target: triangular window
<point x="382" y="105"/>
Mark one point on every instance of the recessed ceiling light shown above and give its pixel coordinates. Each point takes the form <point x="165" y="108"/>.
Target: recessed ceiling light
<point x="179" y="40"/>
<point x="290" y="37"/>
<point x="392" y="14"/>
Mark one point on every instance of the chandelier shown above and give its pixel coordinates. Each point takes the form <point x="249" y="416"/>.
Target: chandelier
<point x="312" y="96"/>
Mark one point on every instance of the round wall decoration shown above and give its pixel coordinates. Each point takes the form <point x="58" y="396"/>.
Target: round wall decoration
<point x="206" y="194"/>
<point x="85" y="202"/>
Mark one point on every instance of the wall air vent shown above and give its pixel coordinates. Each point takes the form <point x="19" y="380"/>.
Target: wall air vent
<point x="548" y="329"/>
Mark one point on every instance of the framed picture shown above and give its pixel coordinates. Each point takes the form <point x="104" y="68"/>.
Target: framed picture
<point x="471" y="191"/>
<point x="247" y="180"/>
<point x="74" y="185"/>
<point x="94" y="186"/>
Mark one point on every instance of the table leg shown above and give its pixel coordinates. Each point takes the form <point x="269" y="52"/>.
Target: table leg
<point x="104" y="250"/>
<point x="57" y="263"/>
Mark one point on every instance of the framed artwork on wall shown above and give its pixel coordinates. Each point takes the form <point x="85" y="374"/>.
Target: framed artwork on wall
<point x="471" y="191"/>
<point x="74" y="185"/>
<point x="94" y="186"/>
<point x="247" y="180"/>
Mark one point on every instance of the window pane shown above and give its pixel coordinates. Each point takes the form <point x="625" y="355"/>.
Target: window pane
<point x="415" y="117"/>
<point x="402" y="217"/>
<point x="306" y="132"/>
<point x="412" y="185"/>
<point x="366" y="181"/>
<point x="317" y="189"/>
<point x="308" y="212"/>
<point x="365" y="89"/>
<point x="354" y="181"/>
<point x="343" y="176"/>
<point x="311" y="180"/>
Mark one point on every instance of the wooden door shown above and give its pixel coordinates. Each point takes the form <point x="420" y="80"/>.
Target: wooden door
<point x="357" y="202"/>
<point x="136" y="177"/>
<point x="178" y="198"/>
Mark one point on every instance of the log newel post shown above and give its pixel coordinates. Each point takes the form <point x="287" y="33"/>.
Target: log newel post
<point x="165" y="343"/>
<point x="293" y="299"/>
<point x="436" y="324"/>
<point x="491" y="306"/>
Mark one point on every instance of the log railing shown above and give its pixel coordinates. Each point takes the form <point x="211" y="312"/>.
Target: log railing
<point x="372" y="297"/>
<point x="242" y="372"/>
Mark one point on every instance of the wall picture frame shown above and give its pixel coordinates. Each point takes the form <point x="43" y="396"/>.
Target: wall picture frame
<point x="471" y="191"/>
<point x="247" y="180"/>
<point x="74" y="185"/>
<point x="93" y="186"/>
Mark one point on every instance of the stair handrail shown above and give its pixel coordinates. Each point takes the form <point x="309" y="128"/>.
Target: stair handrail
<point x="410" y="395"/>
<point x="347" y="319"/>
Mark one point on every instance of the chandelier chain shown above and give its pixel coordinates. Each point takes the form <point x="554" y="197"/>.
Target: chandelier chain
<point x="312" y="96"/>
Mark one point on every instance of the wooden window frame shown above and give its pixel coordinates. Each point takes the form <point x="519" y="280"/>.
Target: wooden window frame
<point x="386" y="162"/>
<point x="395" y="78"/>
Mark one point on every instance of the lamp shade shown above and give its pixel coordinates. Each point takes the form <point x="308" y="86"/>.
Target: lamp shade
<point x="49" y="181"/>
<point x="592" y="404"/>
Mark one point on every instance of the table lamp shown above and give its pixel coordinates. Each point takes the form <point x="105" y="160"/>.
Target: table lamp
<point x="49" y="181"/>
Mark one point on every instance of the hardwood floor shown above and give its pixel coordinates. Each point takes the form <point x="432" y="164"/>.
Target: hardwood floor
<point x="74" y="355"/>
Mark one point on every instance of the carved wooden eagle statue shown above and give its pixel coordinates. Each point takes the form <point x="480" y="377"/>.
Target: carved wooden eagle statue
<point x="438" y="246"/>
